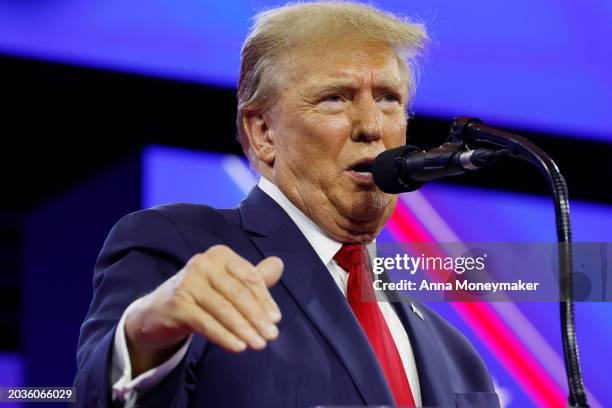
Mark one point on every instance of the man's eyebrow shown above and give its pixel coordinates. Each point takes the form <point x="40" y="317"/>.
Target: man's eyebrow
<point x="335" y="85"/>
<point x="391" y="86"/>
<point x="343" y="85"/>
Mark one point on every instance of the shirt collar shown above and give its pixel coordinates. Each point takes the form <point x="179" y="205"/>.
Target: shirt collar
<point x="325" y="246"/>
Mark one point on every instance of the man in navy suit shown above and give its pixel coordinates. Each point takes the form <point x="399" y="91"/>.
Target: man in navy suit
<point x="256" y="306"/>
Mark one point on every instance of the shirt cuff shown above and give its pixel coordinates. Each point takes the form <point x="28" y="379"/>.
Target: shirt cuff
<point x="125" y="387"/>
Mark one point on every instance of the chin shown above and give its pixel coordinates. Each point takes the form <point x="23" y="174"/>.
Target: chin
<point x="371" y="206"/>
<point x="355" y="237"/>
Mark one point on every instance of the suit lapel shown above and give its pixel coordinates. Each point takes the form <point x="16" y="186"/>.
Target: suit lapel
<point x="313" y="288"/>
<point x="434" y="380"/>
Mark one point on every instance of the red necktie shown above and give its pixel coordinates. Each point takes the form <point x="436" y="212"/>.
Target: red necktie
<point x="354" y="259"/>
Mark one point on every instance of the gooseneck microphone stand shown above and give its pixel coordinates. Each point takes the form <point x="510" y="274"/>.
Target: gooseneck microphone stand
<point x="474" y="134"/>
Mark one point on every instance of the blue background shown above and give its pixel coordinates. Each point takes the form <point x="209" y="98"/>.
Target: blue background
<point x="543" y="64"/>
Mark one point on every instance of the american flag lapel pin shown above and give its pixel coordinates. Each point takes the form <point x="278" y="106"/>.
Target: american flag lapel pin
<point x="417" y="311"/>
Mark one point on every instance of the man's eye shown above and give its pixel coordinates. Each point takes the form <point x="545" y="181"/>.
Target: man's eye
<point x="391" y="98"/>
<point x="333" y="98"/>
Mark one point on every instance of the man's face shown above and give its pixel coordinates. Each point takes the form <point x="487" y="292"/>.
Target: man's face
<point x="340" y="106"/>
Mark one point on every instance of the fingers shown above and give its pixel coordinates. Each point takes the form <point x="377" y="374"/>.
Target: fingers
<point x="271" y="270"/>
<point x="246" y="273"/>
<point x="239" y="296"/>
<point x="202" y="322"/>
<point x="227" y="315"/>
<point x="218" y="294"/>
<point x="233" y="301"/>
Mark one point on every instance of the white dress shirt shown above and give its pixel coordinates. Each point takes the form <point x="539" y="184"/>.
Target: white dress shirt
<point x="126" y="388"/>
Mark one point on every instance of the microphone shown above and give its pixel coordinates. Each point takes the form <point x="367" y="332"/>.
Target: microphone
<point x="407" y="168"/>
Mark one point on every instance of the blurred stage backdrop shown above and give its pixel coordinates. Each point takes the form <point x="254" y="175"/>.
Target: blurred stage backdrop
<point x="110" y="106"/>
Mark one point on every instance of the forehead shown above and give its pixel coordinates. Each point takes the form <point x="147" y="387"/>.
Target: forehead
<point x="344" y="61"/>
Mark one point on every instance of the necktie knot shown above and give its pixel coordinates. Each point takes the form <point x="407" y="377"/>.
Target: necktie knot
<point x="351" y="256"/>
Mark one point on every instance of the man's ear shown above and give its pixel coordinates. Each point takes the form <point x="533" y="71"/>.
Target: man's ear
<point x="260" y="136"/>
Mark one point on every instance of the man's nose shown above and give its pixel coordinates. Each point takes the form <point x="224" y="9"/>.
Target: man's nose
<point x="367" y="120"/>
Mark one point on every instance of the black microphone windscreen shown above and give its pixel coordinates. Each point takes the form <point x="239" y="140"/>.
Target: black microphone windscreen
<point x="386" y="170"/>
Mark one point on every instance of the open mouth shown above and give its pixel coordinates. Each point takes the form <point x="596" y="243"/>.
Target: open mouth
<point x="363" y="168"/>
<point x="361" y="172"/>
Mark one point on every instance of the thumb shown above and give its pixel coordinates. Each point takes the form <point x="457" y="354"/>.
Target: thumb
<point x="271" y="269"/>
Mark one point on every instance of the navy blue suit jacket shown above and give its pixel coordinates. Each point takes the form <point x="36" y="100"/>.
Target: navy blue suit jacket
<point x="321" y="357"/>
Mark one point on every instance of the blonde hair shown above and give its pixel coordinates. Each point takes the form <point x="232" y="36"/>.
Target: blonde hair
<point x="277" y="31"/>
